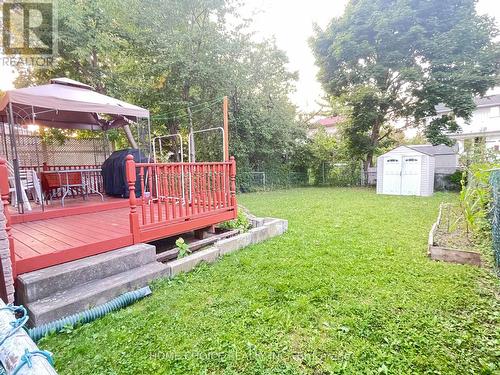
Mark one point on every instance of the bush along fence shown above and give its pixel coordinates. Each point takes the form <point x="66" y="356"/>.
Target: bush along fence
<point x="495" y="217"/>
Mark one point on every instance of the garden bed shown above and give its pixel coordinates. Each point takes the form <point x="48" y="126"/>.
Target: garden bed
<point x="450" y="240"/>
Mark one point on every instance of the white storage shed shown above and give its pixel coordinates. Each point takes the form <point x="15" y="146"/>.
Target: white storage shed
<point x="406" y="170"/>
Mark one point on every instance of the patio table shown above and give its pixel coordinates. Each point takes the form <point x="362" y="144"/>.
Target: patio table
<point x="67" y="182"/>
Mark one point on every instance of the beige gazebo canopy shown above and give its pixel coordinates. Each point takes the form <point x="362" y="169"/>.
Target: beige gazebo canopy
<point x="67" y="104"/>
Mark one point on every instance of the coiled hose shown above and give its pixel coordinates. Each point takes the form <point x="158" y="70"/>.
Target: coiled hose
<point x="89" y="315"/>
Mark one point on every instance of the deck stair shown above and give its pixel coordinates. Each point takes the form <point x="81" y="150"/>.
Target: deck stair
<point x="65" y="289"/>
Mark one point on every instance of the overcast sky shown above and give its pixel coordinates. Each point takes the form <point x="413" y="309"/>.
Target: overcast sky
<point x="290" y="22"/>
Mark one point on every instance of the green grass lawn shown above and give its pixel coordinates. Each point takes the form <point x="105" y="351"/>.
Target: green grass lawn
<point x="348" y="289"/>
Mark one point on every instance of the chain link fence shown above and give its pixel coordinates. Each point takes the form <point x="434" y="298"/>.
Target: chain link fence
<point x="249" y="181"/>
<point x="324" y="174"/>
<point x="495" y="217"/>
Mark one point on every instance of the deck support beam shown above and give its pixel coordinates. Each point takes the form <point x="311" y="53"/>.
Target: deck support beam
<point x="203" y="233"/>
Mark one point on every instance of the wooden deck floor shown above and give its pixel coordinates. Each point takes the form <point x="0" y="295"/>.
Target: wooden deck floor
<point x="90" y="227"/>
<point x="73" y="206"/>
<point x="42" y="243"/>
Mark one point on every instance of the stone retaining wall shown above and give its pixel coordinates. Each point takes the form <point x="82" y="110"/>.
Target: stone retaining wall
<point x="7" y="282"/>
<point x="268" y="228"/>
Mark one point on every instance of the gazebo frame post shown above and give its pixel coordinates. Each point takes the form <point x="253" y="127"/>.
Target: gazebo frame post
<point x="149" y="137"/>
<point x="15" y="161"/>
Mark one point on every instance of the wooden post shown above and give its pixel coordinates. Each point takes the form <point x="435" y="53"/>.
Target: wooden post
<point x="232" y="177"/>
<point x="4" y="191"/>
<point x="225" y="111"/>
<point x="133" y="215"/>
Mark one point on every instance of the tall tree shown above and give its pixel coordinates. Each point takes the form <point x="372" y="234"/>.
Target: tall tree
<point x="390" y="59"/>
<point x="171" y="55"/>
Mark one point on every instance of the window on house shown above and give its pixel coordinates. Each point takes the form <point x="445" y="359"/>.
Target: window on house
<point x="495" y="111"/>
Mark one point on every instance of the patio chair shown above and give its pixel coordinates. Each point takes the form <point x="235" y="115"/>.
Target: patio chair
<point x="29" y="181"/>
<point x="13" y="193"/>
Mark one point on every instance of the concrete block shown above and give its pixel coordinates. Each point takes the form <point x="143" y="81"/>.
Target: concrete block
<point x="187" y="263"/>
<point x="256" y="222"/>
<point x="235" y="243"/>
<point x="275" y="227"/>
<point x="97" y="292"/>
<point x="259" y="234"/>
<point x="42" y="283"/>
<point x="283" y="223"/>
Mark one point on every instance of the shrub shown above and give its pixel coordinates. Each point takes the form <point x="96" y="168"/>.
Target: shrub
<point x="455" y="180"/>
<point x="241" y="223"/>
<point x="183" y="247"/>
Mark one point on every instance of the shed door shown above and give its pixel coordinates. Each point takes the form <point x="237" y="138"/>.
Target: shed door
<point x="392" y="175"/>
<point x="411" y="175"/>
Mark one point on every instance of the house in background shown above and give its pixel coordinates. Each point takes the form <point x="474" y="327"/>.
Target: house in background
<point x="483" y="127"/>
<point x="330" y="124"/>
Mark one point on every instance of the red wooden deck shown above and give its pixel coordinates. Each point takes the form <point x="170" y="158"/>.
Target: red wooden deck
<point x="175" y="198"/>
<point x="43" y="243"/>
<point x="73" y="206"/>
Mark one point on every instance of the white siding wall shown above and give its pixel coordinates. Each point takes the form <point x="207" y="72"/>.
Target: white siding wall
<point x="492" y="141"/>
<point x="329" y="130"/>
<point x="427" y="181"/>
<point x="380" y="173"/>
<point x="446" y="163"/>
<point x="483" y="120"/>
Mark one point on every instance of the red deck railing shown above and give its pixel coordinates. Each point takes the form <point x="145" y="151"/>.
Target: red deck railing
<point x="180" y="193"/>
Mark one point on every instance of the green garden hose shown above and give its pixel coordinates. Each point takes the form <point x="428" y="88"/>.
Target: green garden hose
<point x="89" y="315"/>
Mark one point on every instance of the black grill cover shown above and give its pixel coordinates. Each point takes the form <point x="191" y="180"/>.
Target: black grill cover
<point x="114" y="175"/>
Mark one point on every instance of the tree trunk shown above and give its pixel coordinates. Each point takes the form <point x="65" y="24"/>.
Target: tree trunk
<point x="130" y="136"/>
<point x="373" y="142"/>
<point x="366" y="164"/>
<point x="374" y="138"/>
